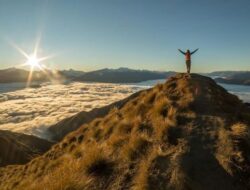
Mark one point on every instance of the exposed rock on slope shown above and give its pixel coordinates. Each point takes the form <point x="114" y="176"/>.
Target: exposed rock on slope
<point x="16" y="148"/>
<point x="188" y="133"/>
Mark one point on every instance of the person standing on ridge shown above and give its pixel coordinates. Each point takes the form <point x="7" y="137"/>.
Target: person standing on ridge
<point x="188" y="58"/>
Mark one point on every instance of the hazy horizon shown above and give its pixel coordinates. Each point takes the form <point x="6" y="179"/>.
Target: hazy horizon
<point x="92" y="35"/>
<point x="67" y="69"/>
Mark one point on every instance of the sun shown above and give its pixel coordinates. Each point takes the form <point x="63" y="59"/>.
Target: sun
<point x="33" y="61"/>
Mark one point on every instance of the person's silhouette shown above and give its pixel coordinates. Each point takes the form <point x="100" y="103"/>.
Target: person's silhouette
<point x="188" y="58"/>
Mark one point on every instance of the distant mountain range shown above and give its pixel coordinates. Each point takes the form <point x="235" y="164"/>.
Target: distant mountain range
<point x="72" y="73"/>
<point x="242" y="78"/>
<point x="120" y="75"/>
<point x="20" y="75"/>
<point x="123" y="75"/>
<point x="225" y="73"/>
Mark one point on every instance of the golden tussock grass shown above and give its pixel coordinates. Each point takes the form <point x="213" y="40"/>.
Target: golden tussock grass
<point x="165" y="138"/>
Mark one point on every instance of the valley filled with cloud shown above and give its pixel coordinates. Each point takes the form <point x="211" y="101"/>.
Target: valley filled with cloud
<point x="32" y="110"/>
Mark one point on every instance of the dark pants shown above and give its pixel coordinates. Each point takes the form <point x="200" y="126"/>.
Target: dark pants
<point x="188" y="64"/>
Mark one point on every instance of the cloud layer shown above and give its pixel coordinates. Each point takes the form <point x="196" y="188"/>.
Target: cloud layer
<point x="32" y="110"/>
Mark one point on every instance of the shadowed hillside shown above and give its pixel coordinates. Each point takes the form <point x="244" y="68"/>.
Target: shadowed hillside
<point x="16" y="148"/>
<point x="67" y="125"/>
<point x="188" y="133"/>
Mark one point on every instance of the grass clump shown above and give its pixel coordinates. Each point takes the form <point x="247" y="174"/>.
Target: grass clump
<point x="241" y="131"/>
<point x="144" y="127"/>
<point x="136" y="147"/>
<point x="100" y="167"/>
<point x="150" y="98"/>
<point x="161" y="108"/>
<point x="124" y="127"/>
<point x="116" y="141"/>
<point x="96" y="163"/>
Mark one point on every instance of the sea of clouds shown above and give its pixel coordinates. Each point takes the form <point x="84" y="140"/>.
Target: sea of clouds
<point x="33" y="110"/>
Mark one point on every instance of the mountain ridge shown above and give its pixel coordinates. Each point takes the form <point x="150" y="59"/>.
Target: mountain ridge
<point x="188" y="133"/>
<point x="67" y="125"/>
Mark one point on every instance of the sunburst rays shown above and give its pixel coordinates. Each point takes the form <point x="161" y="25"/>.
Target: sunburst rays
<point x="33" y="60"/>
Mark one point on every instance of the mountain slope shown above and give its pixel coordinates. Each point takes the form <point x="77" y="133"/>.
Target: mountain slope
<point x="188" y="133"/>
<point x="67" y="125"/>
<point x="16" y="148"/>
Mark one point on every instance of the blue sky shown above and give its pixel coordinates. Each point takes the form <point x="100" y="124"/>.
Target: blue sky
<point x="140" y="34"/>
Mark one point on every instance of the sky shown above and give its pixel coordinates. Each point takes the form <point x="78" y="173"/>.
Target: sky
<point x="139" y="34"/>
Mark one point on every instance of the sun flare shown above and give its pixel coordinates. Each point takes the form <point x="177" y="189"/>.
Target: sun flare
<point x="33" y="61"/>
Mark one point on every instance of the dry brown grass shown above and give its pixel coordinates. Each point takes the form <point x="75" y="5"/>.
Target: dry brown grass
<point x="160" y="108"/>
<point x="96" y="162"/>
<point x="137" y="146"/>
<point x="225" y="150"/>
<point x="230" y="150"/>
<point x="116" y="141"/>
<point x="141" y="179"/>
<point x="241" y="131"/>
<point x="124" y="127"/>
<point x="162" y="139"/>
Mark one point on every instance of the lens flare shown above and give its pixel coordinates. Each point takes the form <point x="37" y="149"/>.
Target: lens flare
<point x="33" y="60"/>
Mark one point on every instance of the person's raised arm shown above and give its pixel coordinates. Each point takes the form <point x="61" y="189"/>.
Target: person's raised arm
<point x="182" y="52"/>
<point x="195" y="51"/>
